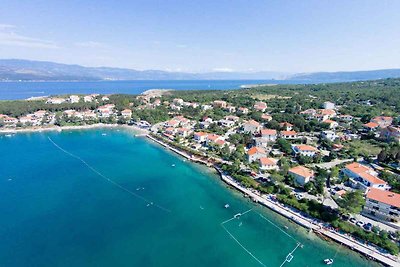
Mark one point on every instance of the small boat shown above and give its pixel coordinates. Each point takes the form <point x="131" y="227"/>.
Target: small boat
<point x="103" y="134"/>
<point x="328" y="261"/>
<point x="173" y="165"/>
<point x="286" y="227"/>
<point x="226" y="206"/>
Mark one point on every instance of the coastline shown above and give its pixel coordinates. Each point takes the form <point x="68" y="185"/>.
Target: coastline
<point x="139" y="130"/>
<point x="371" y="252"/>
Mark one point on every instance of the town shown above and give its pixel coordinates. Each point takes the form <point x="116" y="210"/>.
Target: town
<point x="316" y="156"/>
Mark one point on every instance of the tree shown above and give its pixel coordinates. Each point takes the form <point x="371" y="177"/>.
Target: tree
<point x="352" y="202"/>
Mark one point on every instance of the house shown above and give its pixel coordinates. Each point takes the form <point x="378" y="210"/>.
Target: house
<point x="384" y="205"/>
<point x="183" y="132"/>
<point x="40" y="114"/>
<point x="363" y="177"/>
<point x="288" y="134"/>
<point x="325" y="114"/>
<point x="329" y="135"/>
<point x="266" y="117"/>
<point x="268" y="164"/>
<point x="251" y="127"/>
<point x="260" y="142"/>
<point x="55" y="100"/>
<point x="73" y="99"/>
<point x="172" y="123"/>
<point x="106" y="110"/>
<point x="269" y="134"/>
<point x="383" y="121"/>
<point x="346" y="117"/>
<point x="391" y="133"/>
<point x="105" y="98"/>
<point x="286" y="126"/>
<point x="178" y="101"/>
<point x="226" y="123"/>
<point x="126" y="113"/>
<point x="26" y="120"/>
<point x="304" y="150"/>
<point x="243" y="110"/>
<point x="200" y="137"/>
<point x="232" y="118"/>
<point x="302" y="175"/>
<point x="213" y="139"/>
<point x="256" y="153"/>
<point x="370" y="126"/>
<point x="309" y="113"/>
<point x="260" y="106"/>
<point x="182" y="120"/>
<point x="332" y="124"/>
<point x="230" y="109"/>
<point x="7" y="119"/>
<point x="206" y="107"/>
<point x="87" y="98"/>
<point x="328" y="105"/>
<point x="219" y="104"/>
<point x="170" y="131"/>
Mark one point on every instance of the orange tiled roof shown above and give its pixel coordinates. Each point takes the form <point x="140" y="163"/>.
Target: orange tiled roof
<point x="255" y="150"/>
<point x="306" y="148"/>
<point x="268" y="132"/>
<point x="302" y="171"/>
<point x="268" y="161"/>
<point x="383" y="196"/>
<point x="371" y="125"/>
<point x="364" y="172"/>
<point x="288" y="132"/>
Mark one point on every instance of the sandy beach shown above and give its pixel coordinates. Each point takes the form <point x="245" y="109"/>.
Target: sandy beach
<point x="134" y="128"/>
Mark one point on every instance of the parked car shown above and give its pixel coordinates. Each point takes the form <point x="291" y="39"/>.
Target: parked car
<point x="368" y="226"/>
<point x="360" y="223"/>
<point x="353" y="220"/>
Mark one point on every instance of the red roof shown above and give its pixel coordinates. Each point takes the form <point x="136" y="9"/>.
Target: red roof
<point x="371" y="125"/>
<point x="302" y="171"/>
<point x="364" y="172"/>
<point x="288" y="133"/>
<point x="255" y="150"/>
<point x="383" y="196"/>
<point x="268" y="132"/>
<point x="268" y="161"/>
<point x="306" y="148"/>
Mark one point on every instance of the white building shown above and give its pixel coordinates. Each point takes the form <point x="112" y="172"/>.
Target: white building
<point x="384" y="205"/>
<point x="329" y="135"/>
<point x="304" y="150"/>
<point x="363" y="177"/>
<point x="302" y="175"/>
<point x="268" y="164"/>
<point x="256" y="153"/>
<point x="269" y="134"/>
<point x="73" y="99"/>
<point x="328" y="105"/>
<point x="251" y="127"/>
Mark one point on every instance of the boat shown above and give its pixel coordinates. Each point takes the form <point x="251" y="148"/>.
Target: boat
<point x="226" y="206"/>
<point x="328" y="261"/>
<point x="173" y="165"/>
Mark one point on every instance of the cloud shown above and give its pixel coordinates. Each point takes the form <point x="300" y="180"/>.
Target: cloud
<point x="91" y="44"/>
<point x="223" y="69"/>
<point x="10" y="38"/>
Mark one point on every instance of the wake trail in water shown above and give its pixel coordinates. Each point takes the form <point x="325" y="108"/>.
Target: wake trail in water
<point x="149" y="203"/>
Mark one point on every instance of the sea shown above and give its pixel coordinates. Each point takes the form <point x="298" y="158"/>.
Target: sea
<point x="104" y="197"/>
<point x="24" y="90"/>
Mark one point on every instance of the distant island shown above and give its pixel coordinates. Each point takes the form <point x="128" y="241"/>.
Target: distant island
<point x="28" y="70"/>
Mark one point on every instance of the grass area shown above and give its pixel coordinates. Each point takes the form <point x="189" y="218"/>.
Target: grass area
<point x="363" y="147"/>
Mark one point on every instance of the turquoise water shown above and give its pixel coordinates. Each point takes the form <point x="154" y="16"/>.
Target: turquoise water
<point x="57" y="211"/>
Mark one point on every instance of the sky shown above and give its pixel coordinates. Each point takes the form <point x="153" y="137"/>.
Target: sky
<point x="201" y="36"/>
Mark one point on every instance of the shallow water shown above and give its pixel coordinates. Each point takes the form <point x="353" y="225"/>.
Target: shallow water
<point x="58" y="210"/>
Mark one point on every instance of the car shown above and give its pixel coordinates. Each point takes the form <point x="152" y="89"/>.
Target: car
<point x="360" y="223"/>
<point x="345" y="217"/>
<point x="353" y="220"/>
<point x="368" y="226"/>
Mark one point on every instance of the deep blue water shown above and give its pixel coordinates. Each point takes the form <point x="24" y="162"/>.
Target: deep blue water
<point x="23" y="90"/>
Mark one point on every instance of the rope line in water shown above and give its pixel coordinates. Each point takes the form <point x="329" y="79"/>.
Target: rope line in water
<point x="291" y="253"/>
<point x="237" y="241"/>
<point x="108" y="179"/>
<point x="283" y="231"/>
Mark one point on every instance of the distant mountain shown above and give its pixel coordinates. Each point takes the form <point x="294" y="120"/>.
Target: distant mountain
<point x="27" y="70"/>
<point x="346" y="76"/>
